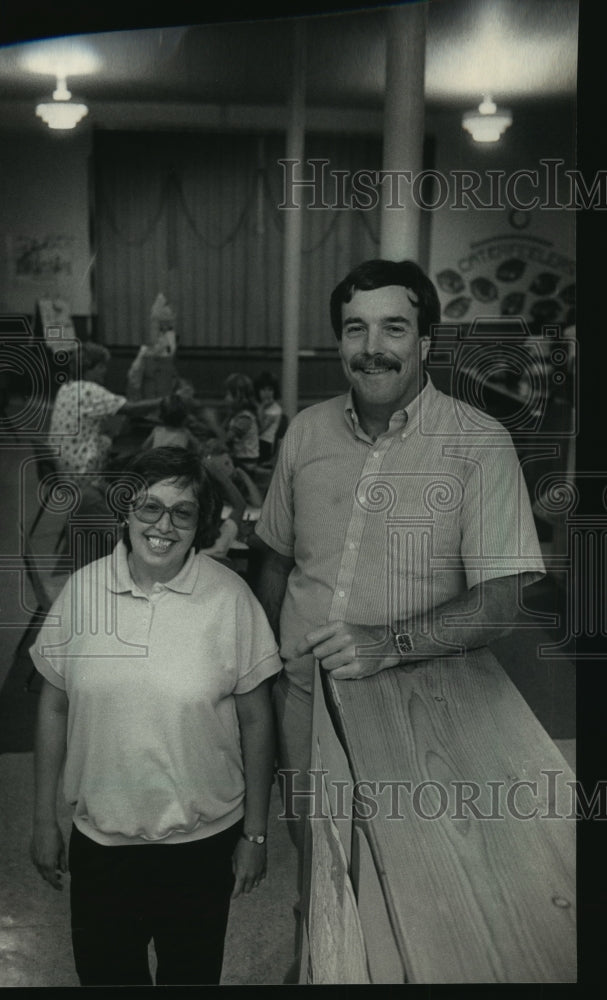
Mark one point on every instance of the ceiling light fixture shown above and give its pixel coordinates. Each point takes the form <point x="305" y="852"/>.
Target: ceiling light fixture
<point x="488" y="123"/>
<point x="60" y="112"/>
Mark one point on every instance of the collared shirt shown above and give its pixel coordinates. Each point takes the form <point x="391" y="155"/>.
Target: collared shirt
<point x="76" y="421"/>
<point x="153" y="739"/>
<point x="381" y="530"/>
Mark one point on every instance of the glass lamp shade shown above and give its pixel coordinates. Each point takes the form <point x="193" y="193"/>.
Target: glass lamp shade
<point x="61" y="114"/>
<point x="488" y="122"/>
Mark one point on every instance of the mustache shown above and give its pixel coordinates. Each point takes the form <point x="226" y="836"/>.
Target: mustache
<point x="360" y="361"/>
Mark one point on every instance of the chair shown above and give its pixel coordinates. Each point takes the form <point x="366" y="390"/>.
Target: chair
<point x="44" y="595"/>
<point x="6" y="422"/>
<point x="33" y="571"/>
<point x="46" y="467"/>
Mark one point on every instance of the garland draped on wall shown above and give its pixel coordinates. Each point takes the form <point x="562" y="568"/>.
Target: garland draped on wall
<point x="196" y="216"/>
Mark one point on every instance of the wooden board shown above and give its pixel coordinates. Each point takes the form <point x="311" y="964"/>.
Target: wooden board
<point x="471" y="900"/>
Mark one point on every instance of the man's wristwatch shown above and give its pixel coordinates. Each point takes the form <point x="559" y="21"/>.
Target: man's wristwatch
<point x="403" y="642"/>
<point x="259" y="838"/>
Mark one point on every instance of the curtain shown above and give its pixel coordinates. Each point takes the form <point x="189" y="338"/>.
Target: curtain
<point x="197" y="216"/>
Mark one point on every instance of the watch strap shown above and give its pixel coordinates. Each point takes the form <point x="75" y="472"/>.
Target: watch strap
<point x="259" y="838"/>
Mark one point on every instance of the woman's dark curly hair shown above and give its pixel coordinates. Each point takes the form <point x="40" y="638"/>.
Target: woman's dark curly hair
<point x="180" y="464"/>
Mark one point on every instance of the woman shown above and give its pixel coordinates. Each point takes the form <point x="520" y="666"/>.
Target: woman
<point x="242" y="430"/>
<point x="156" y="662"/>
<point x="81" y="408"/>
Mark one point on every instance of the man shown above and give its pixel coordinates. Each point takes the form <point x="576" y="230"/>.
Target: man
<point x="397" y="521"/>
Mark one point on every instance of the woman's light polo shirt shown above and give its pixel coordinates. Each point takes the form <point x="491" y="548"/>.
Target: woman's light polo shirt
<point x="153" y="743"/>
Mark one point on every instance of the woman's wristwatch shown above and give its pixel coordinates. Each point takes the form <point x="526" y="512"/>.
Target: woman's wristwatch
<point x="259" y="838"/>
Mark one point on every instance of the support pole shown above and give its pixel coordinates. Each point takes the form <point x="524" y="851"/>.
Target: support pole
<point x="291" y="274"/>
<point x="403" y="129"/>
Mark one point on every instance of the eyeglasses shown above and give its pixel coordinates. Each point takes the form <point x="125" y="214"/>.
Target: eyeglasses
<point x="182" y="515"/>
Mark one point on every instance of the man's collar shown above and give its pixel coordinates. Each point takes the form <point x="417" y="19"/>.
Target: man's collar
<point x="410" y="413"/>
<point x="423" y="398"/>
<point x="121" y="581"/>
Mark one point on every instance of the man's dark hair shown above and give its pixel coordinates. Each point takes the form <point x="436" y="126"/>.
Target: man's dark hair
<point x="180" y="464"/>
<point x="379" y="273"/>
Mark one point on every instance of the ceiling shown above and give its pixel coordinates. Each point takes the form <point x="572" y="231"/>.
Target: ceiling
<point x="516" y="50"/>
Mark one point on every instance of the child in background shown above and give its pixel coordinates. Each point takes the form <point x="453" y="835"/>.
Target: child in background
<point x="241" y="429"/>
<point x="237" y="490"/>
<point x="269" y="412"/>
<point x="219" y="459"/>
<point x="172" y="431"/>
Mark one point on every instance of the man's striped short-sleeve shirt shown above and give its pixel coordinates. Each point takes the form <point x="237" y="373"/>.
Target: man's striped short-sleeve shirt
<point x="383" y="529"/>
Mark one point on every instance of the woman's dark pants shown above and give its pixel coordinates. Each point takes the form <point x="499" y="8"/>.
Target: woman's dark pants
<point x="177" y="895"/>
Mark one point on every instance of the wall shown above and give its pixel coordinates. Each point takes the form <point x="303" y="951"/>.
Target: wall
<point x="44" y="238"/>
<point x="506" y="260"/>
<point x="44" y="185"/>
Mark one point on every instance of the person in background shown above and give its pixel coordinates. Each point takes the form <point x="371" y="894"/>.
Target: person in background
<point x="153" y="370"/>
<point x="81" y="407"/>
<point x="172" y="430"/>
<point x="269" y="412"/>
<point x="156" y="662"/>
<point x="218" y="457"/>
<point x="241" y="427"/>
<point x="239" y="492"/>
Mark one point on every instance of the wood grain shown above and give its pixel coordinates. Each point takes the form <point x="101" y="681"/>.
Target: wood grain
<point x="471" y="899"/>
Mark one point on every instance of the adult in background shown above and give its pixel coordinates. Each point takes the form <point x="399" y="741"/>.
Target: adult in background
<point x="153" y="371"/>
<point x="81" y="408"/>
<point x="156" y="662"/>
<point x="393" y="441"/>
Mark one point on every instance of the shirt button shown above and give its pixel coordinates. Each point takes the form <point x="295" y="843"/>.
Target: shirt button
<point x="351" y="546"/>
<point x="341" y="593"/>
<point x="403" y="435"/>
<point x="375" y="454"/>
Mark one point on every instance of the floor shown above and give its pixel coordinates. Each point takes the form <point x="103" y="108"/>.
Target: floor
<point x="35" y="946"/>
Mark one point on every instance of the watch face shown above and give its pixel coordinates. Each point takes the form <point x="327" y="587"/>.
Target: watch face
<point x="403" y="643"/>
